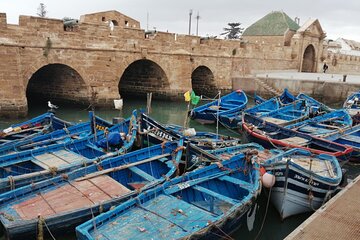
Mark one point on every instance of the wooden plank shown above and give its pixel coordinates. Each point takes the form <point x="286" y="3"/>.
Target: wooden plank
<point x="242" y="184"/>
<point x="330" y="168"/>
<point x="215" y="194"/>
<point x="31" y="208"/>
<point x="66" y="198"/>
<point x="138" y="223"/>
<point x="351" y="138"/>
<point x="71" y="196"/>
<point x="91" y="191"/>
<point x="274" y="120"/>
<point x="142" y="173"/>
<point x="295" y="141"/>
<point x="109" y="186"/>
<point x="48" y="160"/>
<point x="69" y="157"/>
<point x="114" y="169"/>
<point x="180" y="212"/>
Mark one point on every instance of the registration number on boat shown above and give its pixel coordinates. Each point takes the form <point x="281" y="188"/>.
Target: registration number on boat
<point x="183" y="185"/>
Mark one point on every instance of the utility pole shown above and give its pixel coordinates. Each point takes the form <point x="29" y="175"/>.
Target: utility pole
<point x="197" y="24"/>
<point x="190" y="13"/>
<point x="147" y="21"/>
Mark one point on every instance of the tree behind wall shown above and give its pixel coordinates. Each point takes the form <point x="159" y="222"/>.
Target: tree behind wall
<point x="233" y="31"/>
<point x="41" y="11"/>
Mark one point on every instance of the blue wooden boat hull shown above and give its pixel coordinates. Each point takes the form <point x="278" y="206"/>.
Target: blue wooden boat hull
<point x="197" y="157"/>
<point x="187" y="207"/>
<point x="156" y="133"/>
<point x="313" y="103"/>
<point x="22" y="168"/>
<point x="285" y="98"/>
<point x="31" y="128"/>
<point x="62" y="135"/>
<point x="230" y="104"/>
<point x="288" y="114"/>
<point x="272" y="135"/>
<point x="302" y="187"/>
<point x="134" y="172"/>
<point x="234" y="121"/>
<point x="330" y="123"/>
<point x="349" y="137"/>
<point x="352" y="106"/>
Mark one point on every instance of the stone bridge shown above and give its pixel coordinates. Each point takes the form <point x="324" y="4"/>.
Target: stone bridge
<point x="106" y="56"/>
<point x="92" y="61"/>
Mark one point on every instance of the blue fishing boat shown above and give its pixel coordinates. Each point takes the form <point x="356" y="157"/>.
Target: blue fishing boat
<point x="352" y="103"/>
<point x="285" y="98"/>
<point x="229" y="104"/>
<point x="65" y="201"/>
<point x="198" y="157"/>
<point x="44" y="123"/>
<point x="155" y="132"/>
<point x="22" y="168"/>
<point x="234" y="121"/>
<point x="62" y="135"/>
<point x="329" y="123"/>
<point x="317" y="107"/>
<point x="207" y="203"/>
<point x="349" y="137"/>
<point x="288" y="114"/>
<point x="303" y="181"/>
<point x="272" y="135"/>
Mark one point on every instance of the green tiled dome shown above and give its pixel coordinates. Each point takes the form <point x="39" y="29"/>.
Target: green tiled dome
<point x="273" y="24"/>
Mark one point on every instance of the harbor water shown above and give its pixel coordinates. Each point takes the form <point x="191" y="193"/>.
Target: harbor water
<point x="265" y="225"/>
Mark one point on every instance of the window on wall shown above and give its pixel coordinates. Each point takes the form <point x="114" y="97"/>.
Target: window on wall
<point x="103" y="19"/>
<point x="126" y="23"/>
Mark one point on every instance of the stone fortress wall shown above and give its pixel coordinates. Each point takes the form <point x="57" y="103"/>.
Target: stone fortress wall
<point x="107" y="54"/>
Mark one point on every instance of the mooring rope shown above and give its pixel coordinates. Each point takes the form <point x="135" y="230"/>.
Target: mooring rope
<point x="266" y="211"/>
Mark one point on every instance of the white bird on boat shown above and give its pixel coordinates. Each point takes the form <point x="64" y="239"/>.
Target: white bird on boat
<point x="52" y="106"/>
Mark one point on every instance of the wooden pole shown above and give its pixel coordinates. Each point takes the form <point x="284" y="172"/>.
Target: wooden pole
<point x="95" y="174"/>
<point x="186" y="116"/>
<point x="148" y="103"/>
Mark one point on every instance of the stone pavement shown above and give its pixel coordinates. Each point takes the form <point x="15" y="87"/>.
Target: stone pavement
<point x="329" y="77"/>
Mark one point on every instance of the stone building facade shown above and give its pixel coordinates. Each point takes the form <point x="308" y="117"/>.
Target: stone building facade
<point x="107" y="55"/>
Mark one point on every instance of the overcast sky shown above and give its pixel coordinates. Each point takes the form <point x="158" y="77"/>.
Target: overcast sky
<point x="337" y="18"/>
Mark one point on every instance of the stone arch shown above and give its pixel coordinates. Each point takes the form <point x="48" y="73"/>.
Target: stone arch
<point x="308" y="63"/>
<point x="142" y="77"/>
<point x="58" y="83"/>
<point x="203" y="81"/>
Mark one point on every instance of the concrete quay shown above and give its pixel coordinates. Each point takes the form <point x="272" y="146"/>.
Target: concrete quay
<point x="325" y="87"/>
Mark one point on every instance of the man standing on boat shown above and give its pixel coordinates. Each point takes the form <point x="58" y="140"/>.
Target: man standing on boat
<point x="356" y="119"/>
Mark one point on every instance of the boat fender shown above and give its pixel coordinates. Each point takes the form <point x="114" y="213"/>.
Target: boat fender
<point x="190" y="132"/>
<point x="268" y="180"/>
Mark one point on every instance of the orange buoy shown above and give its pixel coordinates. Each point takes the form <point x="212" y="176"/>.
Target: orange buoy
<point x="262" y="171"/>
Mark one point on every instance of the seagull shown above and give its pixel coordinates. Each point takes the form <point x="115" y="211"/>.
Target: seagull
<point x="52" y="106"/>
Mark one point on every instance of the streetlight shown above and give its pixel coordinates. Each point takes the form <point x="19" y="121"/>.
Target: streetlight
<point x="197" y="24"/>
<point x="190" y="13"/>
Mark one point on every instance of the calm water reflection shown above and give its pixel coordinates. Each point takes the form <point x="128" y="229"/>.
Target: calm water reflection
<point x="175" y="112"/>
